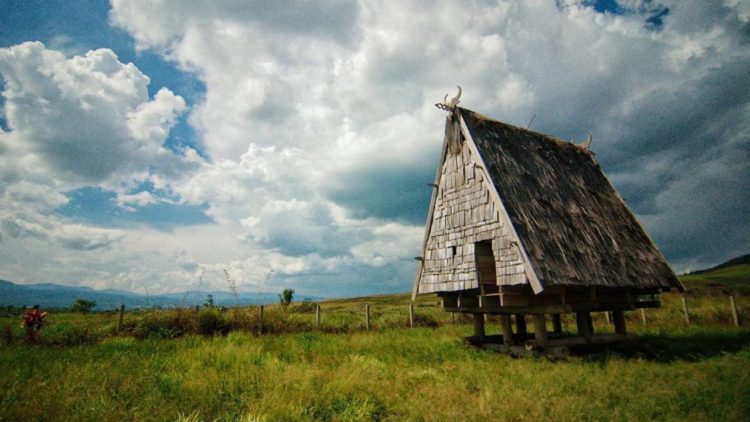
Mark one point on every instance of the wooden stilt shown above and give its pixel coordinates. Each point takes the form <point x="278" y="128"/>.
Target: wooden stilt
<point x="582" y="324"/>
<point x="521" y="326"/>
<point x="557" y="324"/>
<point x="507" y="326"/>
<point x="540" y="329"/>
<point x="590" y="320"/>
<point x="643" y="316"/>
<point x="619" y="318"/>
<point x="479" y="326"/>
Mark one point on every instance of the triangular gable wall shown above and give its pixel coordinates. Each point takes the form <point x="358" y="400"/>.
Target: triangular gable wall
<point x="466" y="209"/>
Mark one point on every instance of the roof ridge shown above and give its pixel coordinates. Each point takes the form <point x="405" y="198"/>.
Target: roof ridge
<point x="546" y="137"/>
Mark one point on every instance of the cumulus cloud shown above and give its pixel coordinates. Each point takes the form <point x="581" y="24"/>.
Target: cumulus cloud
<point x="74" y="122"/>
<point x="85" y="119"/>
<point x="356" y="103"/>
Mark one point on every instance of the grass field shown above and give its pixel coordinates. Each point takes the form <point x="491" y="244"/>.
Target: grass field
<point x="82" y="370"/>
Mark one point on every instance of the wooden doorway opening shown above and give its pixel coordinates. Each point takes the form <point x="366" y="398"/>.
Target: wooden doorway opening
<point x="486" y="270"/>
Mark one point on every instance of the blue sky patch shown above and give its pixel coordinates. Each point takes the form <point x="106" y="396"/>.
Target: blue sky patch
<point x="92" y="205"/>
<point x="653" y="12"/>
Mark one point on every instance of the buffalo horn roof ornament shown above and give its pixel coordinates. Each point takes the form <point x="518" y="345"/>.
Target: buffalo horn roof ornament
<point x="450" y="105"/>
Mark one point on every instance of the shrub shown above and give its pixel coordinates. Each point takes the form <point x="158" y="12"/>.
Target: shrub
<point x="67" y="334"/>
<point x="286" y="297"/>
<point x="242" y="319"/>
<point x="211" y="322"/>
<point x="305" y="307"/>
<point x="8" y="336"/>
<point x="83" y="306"/>
<point x="165" y="324"/>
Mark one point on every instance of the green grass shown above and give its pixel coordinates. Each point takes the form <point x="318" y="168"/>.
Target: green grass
<point x="734" y="279"/>
<point x="159" y="368"/>
<point x="393" y="374"/>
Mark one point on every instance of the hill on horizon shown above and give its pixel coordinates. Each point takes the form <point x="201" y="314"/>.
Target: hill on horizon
<point x="742" y="259"/>
<point x="51" y="295"/>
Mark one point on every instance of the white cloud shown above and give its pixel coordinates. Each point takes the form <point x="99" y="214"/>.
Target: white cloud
<point x="85" y="119"/>
<point x="357" y="110"/>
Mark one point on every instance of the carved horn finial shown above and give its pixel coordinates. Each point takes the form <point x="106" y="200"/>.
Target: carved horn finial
<point x="587" y="143"/>
<point x="455" y="100"/>
<point x="450" y="105"/>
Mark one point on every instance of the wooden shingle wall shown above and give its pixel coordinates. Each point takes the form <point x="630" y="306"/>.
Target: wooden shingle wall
<point x="463" y="215"/>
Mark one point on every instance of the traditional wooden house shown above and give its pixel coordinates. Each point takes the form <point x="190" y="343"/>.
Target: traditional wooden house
<point x="522" y="223"/>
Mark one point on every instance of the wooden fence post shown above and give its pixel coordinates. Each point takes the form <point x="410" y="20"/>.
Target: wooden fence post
<point x="122" y="316"/>
<point x="411" y="315"/>
<point x="317" y="315"/>
<point x="733" y="308"/>
<point x="260" y="320"/>
<point x="643" y="316"/>
<point x="367" y="317"/>
<point x="685" y="310"/>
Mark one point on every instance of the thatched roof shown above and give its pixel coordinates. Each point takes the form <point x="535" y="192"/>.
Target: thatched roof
<point x="573" y="225"/>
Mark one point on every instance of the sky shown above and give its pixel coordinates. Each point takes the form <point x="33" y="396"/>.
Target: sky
<point x="147" y="145"/>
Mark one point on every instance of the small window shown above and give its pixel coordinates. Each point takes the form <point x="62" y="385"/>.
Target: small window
<point x="453" y="251"/>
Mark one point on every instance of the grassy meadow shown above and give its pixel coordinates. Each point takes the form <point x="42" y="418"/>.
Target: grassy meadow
<point x="183" y="365"/>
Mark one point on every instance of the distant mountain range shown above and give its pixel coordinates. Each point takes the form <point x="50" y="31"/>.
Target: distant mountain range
<point x="50" y="295"/>
<point x="744" y="259"/>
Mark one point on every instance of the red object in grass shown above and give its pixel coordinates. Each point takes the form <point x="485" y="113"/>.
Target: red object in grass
<point x="33" y="319"/>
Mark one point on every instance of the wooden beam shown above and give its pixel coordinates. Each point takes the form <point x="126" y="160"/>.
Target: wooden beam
<point x="507" y="310"/>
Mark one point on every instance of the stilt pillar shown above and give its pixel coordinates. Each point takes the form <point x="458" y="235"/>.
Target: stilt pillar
<point x="540" y="329"/>
<point x="521" y="326"/>
<point x="507" y="326"/>
<point x="557" y="324"/>
<point x="583" y="325"/>
<point x="479" y="326"/>
<point x="620" y="327"/>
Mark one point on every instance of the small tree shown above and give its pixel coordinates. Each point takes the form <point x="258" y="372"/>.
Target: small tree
<point x="285" y="298"/>
<point x="83" y="306"/>
<point x="209" y="303"/>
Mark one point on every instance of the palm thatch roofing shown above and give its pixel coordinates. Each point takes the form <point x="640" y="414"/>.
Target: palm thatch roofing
<point x="572" y="226"/>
